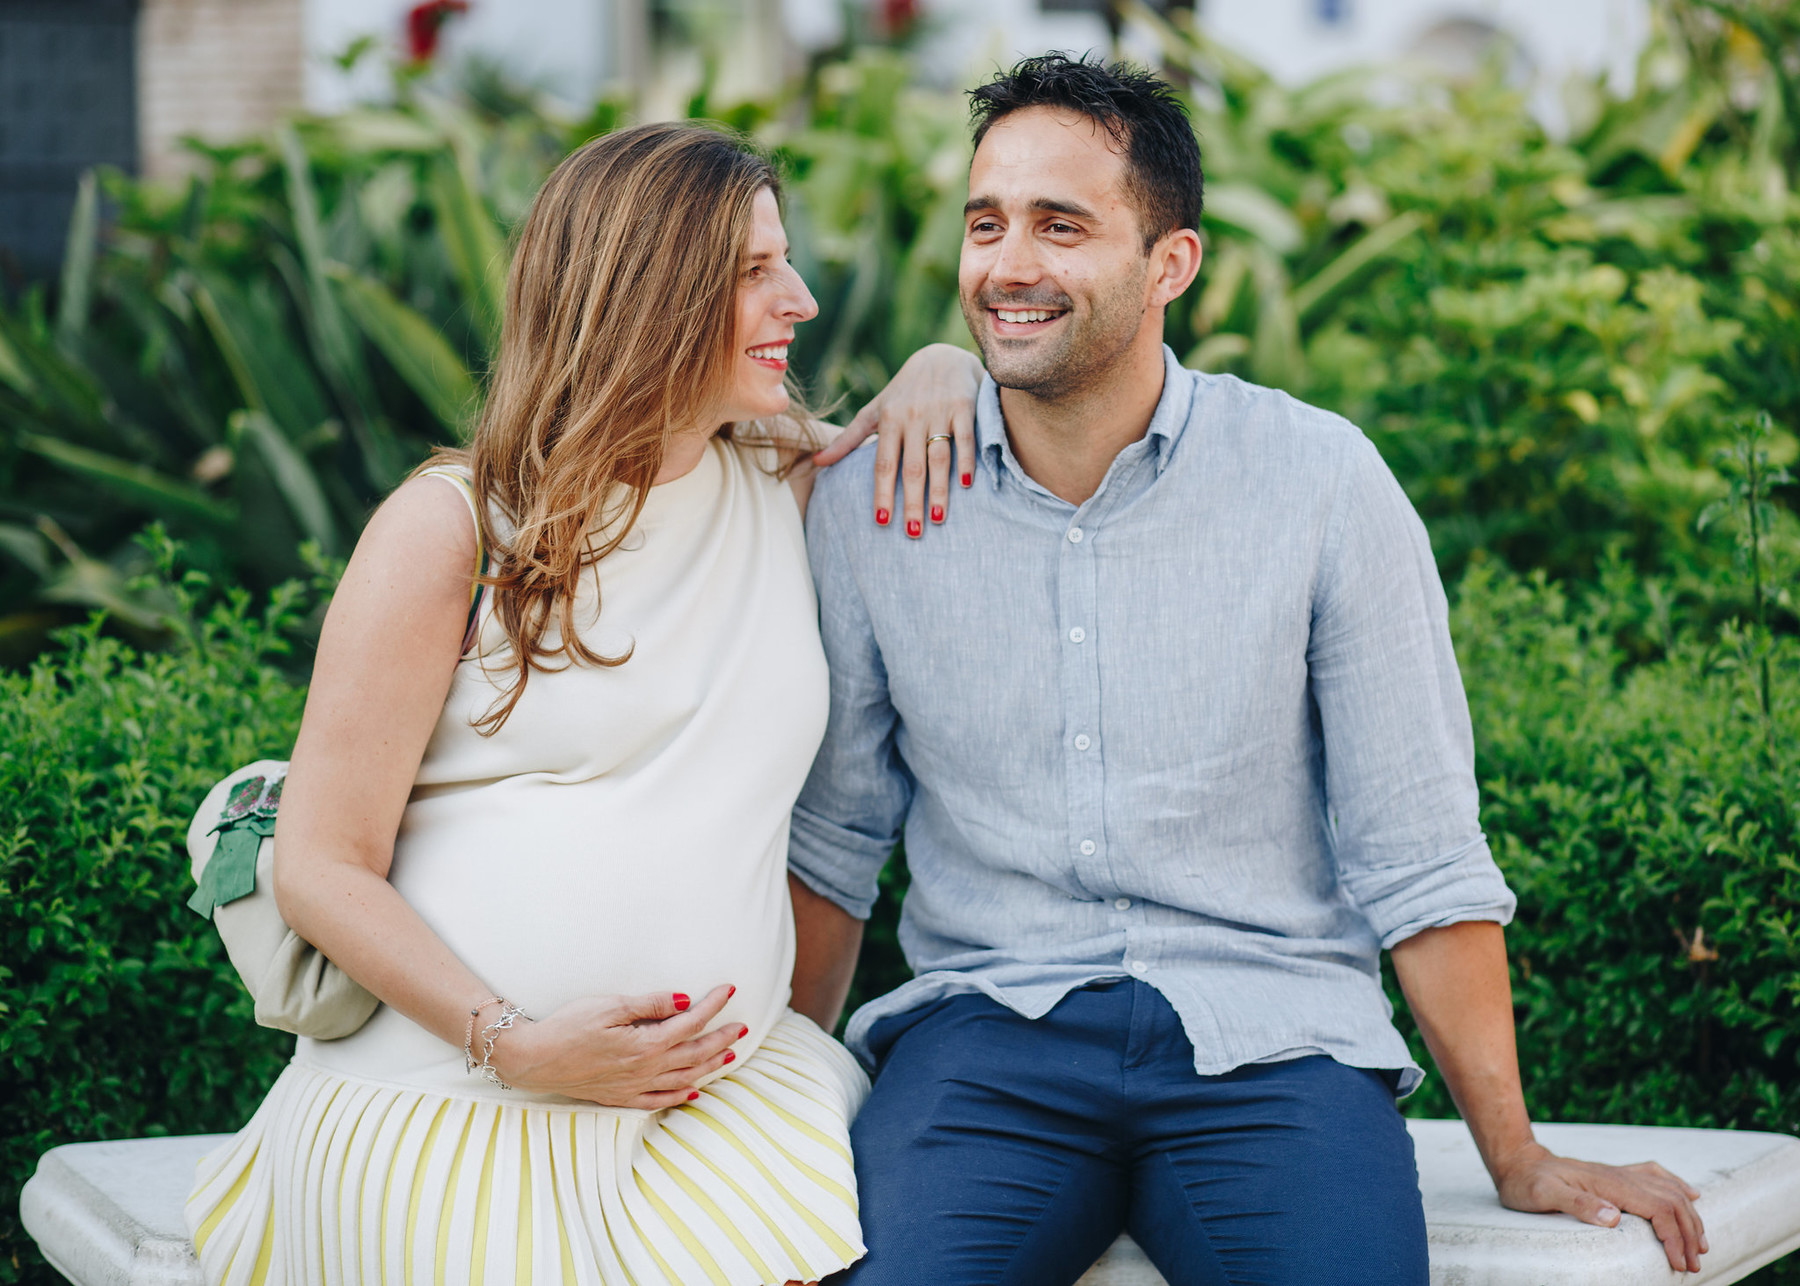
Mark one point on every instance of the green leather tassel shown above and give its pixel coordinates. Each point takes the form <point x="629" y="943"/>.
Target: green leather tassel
<point x="230" y="873"/>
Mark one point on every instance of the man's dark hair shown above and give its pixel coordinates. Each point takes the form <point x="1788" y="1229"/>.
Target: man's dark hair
<point x="1141" y="113"/>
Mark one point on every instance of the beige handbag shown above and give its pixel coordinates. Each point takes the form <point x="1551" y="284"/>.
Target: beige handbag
<point x="232" y="851"/>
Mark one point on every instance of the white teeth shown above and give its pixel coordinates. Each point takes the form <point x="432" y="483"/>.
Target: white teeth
<point x="773" y="353"/>
<point x="1024" y="315"/>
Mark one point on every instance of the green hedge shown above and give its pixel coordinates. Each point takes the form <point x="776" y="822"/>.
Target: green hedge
<point x="1647" y="820"/>
<point x="1645" y="814"/>
<point x="119" y="1012"/>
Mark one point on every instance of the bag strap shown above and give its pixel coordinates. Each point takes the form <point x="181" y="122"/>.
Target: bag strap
<point x="463" y="483"/>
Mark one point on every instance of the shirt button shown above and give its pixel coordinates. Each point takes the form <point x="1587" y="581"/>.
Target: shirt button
<point x="1087" y="848"/>
<point x="1074" y="535"/>
<point x="1077" y="635"/>
<point x="1082" y="742"/>
<point x="1138" y="966"/>
<point x="1122" y="904"/>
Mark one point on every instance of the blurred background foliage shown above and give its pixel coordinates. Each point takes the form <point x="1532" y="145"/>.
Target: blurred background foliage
<point x="1581" y="357"/>
<point x="1545" y="338"/>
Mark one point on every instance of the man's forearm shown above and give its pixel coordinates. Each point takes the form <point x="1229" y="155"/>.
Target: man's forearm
<point x="1455" y="981"/>
<point x="1456" y="984"/>
<point x="827" y="940"/>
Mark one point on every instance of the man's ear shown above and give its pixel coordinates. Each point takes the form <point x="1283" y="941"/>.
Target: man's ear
<point x="1174" y="263"/>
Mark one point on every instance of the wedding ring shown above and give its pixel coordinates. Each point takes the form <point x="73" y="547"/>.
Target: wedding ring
<point x="939" y="437"/>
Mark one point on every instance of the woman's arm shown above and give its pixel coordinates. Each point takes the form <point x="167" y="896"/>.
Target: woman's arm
<point x="386" y="656"/>
<point x="934" y="392"/>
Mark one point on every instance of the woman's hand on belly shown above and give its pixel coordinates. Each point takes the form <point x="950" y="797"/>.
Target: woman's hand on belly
<point x="645" y="1052"/>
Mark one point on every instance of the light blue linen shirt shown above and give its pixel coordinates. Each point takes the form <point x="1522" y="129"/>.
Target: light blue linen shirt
<point x="1205" y="729"/>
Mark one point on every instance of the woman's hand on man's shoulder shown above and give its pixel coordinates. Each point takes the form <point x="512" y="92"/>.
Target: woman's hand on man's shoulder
<point x="931" y="397"/>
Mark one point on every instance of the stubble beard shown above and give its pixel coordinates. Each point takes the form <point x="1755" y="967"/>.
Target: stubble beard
<point x="1085" y="351"/>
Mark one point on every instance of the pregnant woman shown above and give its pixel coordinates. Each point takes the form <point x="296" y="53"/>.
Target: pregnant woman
<point x="550" y="833"/>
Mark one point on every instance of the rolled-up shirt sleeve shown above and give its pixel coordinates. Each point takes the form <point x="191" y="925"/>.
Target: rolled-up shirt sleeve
<point x="1399" y="751"/>
<point x="850" y="812"/>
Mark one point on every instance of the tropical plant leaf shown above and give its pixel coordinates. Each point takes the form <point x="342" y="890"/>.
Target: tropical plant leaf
<point x="1368" y="248"/>
<point x="92" y="583"/>
<point x="339" y="354"/>
<point x="415" y="348"/>
<point x="27" y="546"/>
<point x="1225" y="275"/>
<point x="1275" y="354"/>
<point x="472" y="240"/>
<point x="12" y="368"/>
<point x="49" y="379"/>
<point x="1254" y="211"/>
<point x="1216" y="352"/>
<point x="268" y="365"/>
<point x="293" y="476"/>
<point x="378" y="131"/>
<point x="78" y="263"/>
<point x="131" y="480"/>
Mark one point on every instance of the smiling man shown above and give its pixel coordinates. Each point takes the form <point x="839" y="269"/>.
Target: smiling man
<point x="1169" y="715"/>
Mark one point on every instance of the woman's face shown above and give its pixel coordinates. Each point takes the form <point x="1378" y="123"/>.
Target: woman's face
<point x="771" y="301"/>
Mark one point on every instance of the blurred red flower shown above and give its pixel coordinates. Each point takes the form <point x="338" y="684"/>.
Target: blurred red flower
<point x="896" y="17"/>
<point x="424" y="22"/>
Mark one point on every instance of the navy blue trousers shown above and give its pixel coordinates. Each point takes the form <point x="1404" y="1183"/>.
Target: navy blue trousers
<point x="997" y="1150"/>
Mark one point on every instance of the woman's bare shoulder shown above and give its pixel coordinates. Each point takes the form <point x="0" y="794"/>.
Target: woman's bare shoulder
<point x="427" y="522"/>
<point x="413" y="566"/>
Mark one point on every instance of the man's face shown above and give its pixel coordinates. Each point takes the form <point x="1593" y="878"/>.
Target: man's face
<point x="1054" y="276"/>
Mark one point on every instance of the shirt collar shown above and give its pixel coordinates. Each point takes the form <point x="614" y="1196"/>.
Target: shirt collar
<point x="1173" y="409"/>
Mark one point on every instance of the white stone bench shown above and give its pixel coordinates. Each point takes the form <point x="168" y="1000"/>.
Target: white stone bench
<point x="110" y="1214"/>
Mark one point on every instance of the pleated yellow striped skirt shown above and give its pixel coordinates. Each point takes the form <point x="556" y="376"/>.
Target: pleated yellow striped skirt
<point x="336" y="1180"/>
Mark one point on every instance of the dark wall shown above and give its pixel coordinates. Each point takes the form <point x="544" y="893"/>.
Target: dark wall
<point x="68" y="101"/>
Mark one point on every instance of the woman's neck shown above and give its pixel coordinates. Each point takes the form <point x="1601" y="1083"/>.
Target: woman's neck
<point x="684" y="452"/>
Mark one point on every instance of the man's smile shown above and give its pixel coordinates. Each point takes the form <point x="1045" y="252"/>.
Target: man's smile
<point x="1024" y="321"/>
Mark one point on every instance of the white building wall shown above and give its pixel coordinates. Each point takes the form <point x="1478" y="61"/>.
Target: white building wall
<point x="1296" y="40"/>
<point x="566" y="47"/>
<point x="215" y="69"/>
<point x="967" y="39"/>
<point x="576" y="49"/>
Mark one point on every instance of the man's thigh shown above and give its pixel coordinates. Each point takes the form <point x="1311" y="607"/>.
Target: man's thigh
<point x="1280" y="1174"/>
<point x="979" y="1158"/>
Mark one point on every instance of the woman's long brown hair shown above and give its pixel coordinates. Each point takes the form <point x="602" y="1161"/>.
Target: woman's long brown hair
<point x="618" y="332"/>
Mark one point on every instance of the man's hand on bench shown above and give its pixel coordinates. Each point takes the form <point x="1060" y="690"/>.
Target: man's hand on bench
<point x="1542" y="1182"/>
<point x="1456" y="984"/>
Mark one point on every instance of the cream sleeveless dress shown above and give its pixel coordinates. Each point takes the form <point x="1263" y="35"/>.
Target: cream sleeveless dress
<point x="624" y="832"/>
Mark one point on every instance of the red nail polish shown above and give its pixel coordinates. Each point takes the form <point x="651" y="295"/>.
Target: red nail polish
<point x="913" y="528"/>
<point x="731" y="993"/>
<point x="743" y="1033"/>
<point x="881" y="517"/>
<point x="693" y="1096"/>
<point x="681" y="1001"/>
<point x="968" y="479"/>
<point x="730" y="1057"/>
<point x="937" y="513"/>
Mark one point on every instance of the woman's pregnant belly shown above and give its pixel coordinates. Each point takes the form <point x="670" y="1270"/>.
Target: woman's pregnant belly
<point x="554" y="892"/>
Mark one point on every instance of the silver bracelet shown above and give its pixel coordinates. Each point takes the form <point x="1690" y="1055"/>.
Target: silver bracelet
<point x="469" y="1063"/>
<point x="509" y="1016"/>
